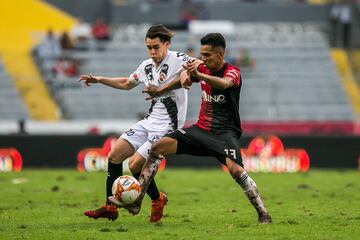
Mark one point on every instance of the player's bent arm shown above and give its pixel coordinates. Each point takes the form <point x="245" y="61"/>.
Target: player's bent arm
<point x="175" y="84"/>
<point x="216" y="82"/>
<point x="123" y="83"/>
<point x="154" y="91"/>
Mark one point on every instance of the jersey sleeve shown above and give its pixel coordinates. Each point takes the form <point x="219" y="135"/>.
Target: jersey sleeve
<point x="202" y="69"/>
<point x="138" y="76"/>
<point x="182" y="58"/>
<point x="233" y="73"/>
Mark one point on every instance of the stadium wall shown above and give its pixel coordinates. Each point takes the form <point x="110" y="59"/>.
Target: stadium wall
<point x="58" y="151"/>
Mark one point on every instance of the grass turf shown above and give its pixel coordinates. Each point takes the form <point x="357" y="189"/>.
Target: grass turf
<point x="203" y="204"/>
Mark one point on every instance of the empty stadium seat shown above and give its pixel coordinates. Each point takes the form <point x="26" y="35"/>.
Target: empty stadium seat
<point x="12" y="106"/>
<point x="294" y="77"/>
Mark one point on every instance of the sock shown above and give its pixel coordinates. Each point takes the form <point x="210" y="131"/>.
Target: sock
<point x="148" y="173"/>
<point x="251" y="192"/>
<point x="152" y="190"/>
<point x="114" y="171"/>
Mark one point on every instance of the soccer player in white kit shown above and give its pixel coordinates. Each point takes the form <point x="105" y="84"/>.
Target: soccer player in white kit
<point x="160" y="74"/>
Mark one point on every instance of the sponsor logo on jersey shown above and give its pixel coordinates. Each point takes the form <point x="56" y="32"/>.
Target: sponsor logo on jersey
<point x="213" y="98"/>
<point x="148" y="72"/>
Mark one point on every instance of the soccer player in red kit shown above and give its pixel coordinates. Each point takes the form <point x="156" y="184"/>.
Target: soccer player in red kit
<point x="218" y="129"/>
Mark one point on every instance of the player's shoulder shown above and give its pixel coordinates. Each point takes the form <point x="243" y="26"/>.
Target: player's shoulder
<point x="230" y="66"/>
<point x="232" y="70"/>
<point x="179" y="56"/>
<point x="146" y="62"/>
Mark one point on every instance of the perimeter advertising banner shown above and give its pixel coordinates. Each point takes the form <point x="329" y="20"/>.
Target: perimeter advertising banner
<point x="10" y="160"/>
<point x="264" y="154"/>
<point x="95" y="159"/>
<point x="267" y="154"/>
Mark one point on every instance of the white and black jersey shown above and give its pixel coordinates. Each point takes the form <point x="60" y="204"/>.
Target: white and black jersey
<point x="168" y="111"/>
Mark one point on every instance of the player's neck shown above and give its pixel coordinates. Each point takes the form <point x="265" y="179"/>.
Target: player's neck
<point x="158" y="64"/>
<point x="218" y="68"/>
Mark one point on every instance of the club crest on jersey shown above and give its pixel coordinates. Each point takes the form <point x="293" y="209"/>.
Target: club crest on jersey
<point x="163" y="72"/>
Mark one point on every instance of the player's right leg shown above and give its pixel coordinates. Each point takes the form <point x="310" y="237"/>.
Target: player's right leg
<point x="121" y="150"/>
<point x="158" y="199"/>
<point x="165" y="146"/>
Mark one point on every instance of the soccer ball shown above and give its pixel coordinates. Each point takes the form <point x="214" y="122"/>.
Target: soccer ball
<point x="126" y="189"/>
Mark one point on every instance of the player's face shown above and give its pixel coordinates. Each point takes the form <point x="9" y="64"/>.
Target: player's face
<point x="213" y="57"/>
<point x="156" y="49"/>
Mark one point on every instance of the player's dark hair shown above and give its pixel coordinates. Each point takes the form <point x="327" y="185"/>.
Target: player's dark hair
<point x="214" y="40"/>
<point x="160" y="31"/>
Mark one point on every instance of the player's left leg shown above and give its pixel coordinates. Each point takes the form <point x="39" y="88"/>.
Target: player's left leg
<point x="121" y="150"/>
<point x="250" y="189"/>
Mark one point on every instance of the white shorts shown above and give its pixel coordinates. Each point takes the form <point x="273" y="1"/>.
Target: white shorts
<point x="142" y="135"/>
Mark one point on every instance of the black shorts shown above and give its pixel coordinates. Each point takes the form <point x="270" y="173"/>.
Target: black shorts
<point x="198" y="142"/>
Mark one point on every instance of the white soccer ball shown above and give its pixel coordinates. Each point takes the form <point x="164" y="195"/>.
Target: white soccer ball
<point x="126" y="189"/>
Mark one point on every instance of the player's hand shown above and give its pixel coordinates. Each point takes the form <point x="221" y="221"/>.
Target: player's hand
<point x="186" y="82"/>
<point x="185" y="79"/>
<point x="88" y="79"/>
<point x="191" y="68"/>
<point x="152" y="90"/>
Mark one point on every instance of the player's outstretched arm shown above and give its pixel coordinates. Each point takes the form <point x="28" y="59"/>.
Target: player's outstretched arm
<point x="123" y="83"/>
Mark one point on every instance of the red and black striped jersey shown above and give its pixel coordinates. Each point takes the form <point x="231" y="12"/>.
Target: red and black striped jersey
<point x="219" y="110"/>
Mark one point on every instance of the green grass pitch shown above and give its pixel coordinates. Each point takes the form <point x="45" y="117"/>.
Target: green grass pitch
<point x="203" y="204"/>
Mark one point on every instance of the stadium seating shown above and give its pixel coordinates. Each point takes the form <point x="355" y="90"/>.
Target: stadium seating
<point x="11" y="104"/>
<point x="294" y="78"/>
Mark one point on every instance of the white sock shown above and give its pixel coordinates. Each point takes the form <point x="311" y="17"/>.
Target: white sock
<point x="251" y="191"/>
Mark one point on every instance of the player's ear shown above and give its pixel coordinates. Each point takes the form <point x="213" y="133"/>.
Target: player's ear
<point x="221" y="52"/>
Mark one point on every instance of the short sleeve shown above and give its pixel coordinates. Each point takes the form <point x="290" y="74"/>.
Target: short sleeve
<point x="202" y="69"/>
<point x="233" y="73"/>
<point x="180" y="60"/>
<point x="138" y="76"/>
